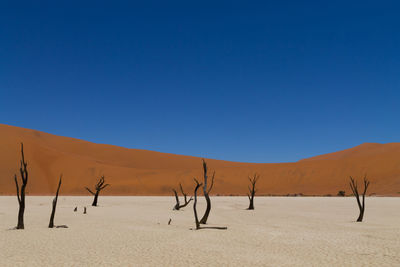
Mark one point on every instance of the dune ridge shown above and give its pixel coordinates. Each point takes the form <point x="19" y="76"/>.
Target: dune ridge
<point x="143" y="172"/>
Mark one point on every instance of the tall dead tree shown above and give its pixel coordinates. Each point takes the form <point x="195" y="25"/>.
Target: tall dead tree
<point x="354" y="189"/>
<point x="177" y="205"/>
<point x="21" y="194"/>
<point x="53" y="210"/>
<point x="98" y="187"/>
<point x="252" y="190"/>
<point x="196" y="218"/>
<point x="206" y="192"/>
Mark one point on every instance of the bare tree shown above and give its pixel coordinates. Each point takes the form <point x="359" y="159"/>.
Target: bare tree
<point x="177" y="205"/>
<point x="99" y="186"/>
<point x="252" y="190"/>
<point x="21" y="195"/>
<point x="206" y="192"/>
<point x="53" y="211"/>
<point x="196" y="218"/>
<point x="354" y="189"/>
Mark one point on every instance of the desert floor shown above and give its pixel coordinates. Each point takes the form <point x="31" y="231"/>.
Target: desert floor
<point x="134" y="231"/>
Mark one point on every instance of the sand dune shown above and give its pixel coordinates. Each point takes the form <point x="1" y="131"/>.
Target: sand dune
<point x="133" y="231"/>
<point x="141" y="172"/>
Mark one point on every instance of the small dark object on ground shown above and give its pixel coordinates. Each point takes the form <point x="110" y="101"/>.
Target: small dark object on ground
<point x="61" y="226"/>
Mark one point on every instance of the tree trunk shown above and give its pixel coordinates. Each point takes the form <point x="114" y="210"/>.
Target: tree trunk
<point x="53" y="211"/>
<point x="21" y="195"/>
<point x="361" y="216"/>
<point x="196" y="219"/>
<point x="208" y="209"/>
<point x="206" y="192"/>
<point x="94" y="204"/>
<point x="21" y="211"/>
<point x="177" y="205"/>
<point x="251" y="205"/>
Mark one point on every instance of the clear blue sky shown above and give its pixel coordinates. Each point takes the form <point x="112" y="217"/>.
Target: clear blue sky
<point x="254" y="81"/>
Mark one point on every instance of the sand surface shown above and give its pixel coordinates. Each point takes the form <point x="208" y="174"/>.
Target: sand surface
<point x="143" y="172"/>
<point x="134" y="231"/>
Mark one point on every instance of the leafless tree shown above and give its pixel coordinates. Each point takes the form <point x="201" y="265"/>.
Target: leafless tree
<point x="177" y="205"/>
<point x="354" y="189"/>
<point x="252" y="190"/>
<point x="206" y="192"/>
<point x="99" y="186"/>
<point x="196" y="219"/>
<point x="53" y="211"/>
<point x="21" y="194"/>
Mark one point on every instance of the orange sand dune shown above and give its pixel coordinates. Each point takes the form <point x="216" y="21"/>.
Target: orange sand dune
<point x="142" y="172"/>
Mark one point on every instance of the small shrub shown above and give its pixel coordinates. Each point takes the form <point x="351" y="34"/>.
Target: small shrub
<point x="341" y="193"/>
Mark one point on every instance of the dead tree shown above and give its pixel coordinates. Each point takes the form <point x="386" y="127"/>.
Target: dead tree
<point x="354" y="189"/>
<point x="177" y="205"/>
<point x="53" y="211"/>
<point x="21" y="194"/>
<point x="206" y="193"/>
<point x="252" y="190"/>
<point x="196" y="218"/>
<point x="99" y="186"/>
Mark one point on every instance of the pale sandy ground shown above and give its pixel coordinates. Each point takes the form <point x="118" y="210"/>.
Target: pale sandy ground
<point x="133" y="231"/>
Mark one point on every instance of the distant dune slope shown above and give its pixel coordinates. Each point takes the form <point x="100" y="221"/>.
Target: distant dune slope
<point x="142" y="172"/>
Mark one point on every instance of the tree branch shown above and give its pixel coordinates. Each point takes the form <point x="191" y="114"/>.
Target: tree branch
<point x="90" y="191"/>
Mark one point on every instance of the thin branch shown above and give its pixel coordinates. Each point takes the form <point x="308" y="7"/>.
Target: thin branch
<point x="16" y="184"/>
<point x="212" y="183"/>
<point x="104" y="186"/>
<point x="90" y="191"/>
